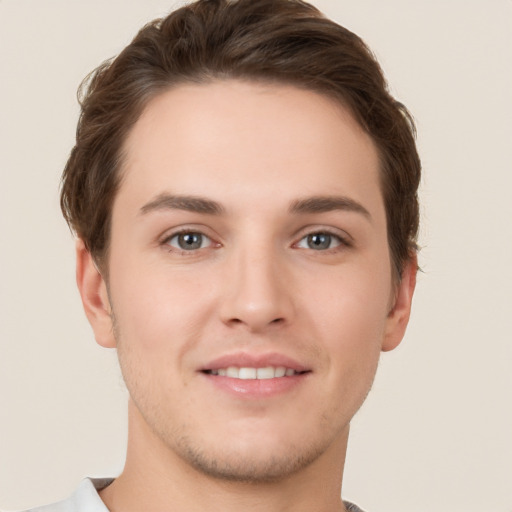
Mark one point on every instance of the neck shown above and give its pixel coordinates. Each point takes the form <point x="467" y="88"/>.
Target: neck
<point x="154" y="477"/>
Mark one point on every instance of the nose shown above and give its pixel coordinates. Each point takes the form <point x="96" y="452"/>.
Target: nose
<point x="257" y="292"/>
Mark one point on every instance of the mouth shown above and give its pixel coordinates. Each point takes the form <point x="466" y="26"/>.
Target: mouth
<point x="256" y="376"/>
<point x="248" y="373"/>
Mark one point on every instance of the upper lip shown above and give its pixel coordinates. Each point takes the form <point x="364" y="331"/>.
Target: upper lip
<point x="247" y="360"/>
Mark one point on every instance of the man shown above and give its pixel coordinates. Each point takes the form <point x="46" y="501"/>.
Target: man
<point x="244" y="193"/>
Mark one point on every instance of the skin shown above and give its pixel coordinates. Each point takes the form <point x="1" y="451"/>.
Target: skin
<point x="257" y="285"/>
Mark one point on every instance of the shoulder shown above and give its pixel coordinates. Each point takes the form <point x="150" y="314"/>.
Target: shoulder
<point x="351" y="507"/>
<point x="84" y="499"/>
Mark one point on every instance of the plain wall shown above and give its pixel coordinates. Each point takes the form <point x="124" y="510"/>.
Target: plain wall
<point x="436" y="432"/>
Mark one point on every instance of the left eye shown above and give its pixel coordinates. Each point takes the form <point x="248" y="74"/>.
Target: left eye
<point x="189" y="241"/>
<point x="320" y="241"/>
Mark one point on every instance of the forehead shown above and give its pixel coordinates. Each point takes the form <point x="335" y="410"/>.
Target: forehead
<point x="227" y="138"/>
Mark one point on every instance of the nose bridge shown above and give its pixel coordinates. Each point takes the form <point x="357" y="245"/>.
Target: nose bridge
<point x="256" y="291"/>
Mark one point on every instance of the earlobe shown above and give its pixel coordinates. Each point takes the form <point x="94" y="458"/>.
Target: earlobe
<point x="398" y="317"/>
<point x="93" y="291"/>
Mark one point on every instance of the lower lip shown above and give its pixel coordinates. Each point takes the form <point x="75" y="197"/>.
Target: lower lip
<point x="257" y="388"/>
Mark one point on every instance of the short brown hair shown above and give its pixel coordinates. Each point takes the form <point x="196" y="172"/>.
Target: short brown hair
<point x="284" y="41"/>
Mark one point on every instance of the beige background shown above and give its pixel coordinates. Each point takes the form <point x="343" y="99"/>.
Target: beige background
<point x="436" y="434"/>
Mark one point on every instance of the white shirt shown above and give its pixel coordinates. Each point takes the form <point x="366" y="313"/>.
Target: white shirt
<point x="84" y="499"/>
<point x="87" y="499"/>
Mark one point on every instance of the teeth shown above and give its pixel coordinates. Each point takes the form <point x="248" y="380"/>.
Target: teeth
<point x="245" y="373"/>
<point x="232" y="372"/>
<point x="265" y="373"/>
<point x="280" y="371"/>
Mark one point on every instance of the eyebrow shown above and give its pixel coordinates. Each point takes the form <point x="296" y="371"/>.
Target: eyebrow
<point x="189" y="203"/>
<point x="315" y="204"/>
<point x="323" y="204"/>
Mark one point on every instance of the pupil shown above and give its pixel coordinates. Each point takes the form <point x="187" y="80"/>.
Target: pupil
<point x="189" y="241"/>
<point x="319" y="241"/>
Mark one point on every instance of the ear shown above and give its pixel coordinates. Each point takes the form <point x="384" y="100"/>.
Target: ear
<point x="398" y="317"/>
<point x="93" y="291"/>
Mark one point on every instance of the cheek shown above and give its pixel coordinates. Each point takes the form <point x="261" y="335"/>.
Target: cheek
<point x="351" y="315"/>
<point x="162" y="313"/>
<point x="353" y="304"/>
<point x="157" y="326"/>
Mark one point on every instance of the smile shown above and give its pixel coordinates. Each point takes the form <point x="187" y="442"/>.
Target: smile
<point x="247" y="373"/>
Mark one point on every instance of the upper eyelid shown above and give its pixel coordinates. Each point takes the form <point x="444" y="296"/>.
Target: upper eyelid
<point x="185" y="232"/>
<point x="172" y="232"/>
<point x="343" y="235"/>
<point x="343" y="242"/>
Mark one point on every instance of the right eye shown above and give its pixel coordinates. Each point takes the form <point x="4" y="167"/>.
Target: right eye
<point x="189" y="241"/>
<point x="321" y="241"/>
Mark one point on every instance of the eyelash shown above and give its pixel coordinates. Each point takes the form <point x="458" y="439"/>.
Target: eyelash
<point x="170" y="248"/>
<point x="342" y="242"/>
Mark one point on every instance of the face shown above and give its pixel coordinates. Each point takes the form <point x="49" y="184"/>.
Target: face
<point x="250" y="287"/>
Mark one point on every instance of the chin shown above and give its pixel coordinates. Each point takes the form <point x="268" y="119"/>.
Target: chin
<point x="254" y="463"/>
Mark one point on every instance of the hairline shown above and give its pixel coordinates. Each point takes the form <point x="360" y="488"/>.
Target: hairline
<point x="206" y="78"/>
